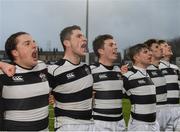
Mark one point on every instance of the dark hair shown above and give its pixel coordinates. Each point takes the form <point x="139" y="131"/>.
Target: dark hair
<point x="161" y="41"/>
<point x="11" y="44"/>
<point x="149" y="42"/>
<point x="135" y="50"/>
<point x="99" y="42"/>
<point x="66" y="33"/>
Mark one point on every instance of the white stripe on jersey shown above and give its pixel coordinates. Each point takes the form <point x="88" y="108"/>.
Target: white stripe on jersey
<point x="171" y="78"/>
<point x="161" y="97"/>
<point x="144" y="108"/>
<point x="79" y="106"/>
<point x="173" y="94"/>
<point x="115" y="103"/>
<point x="25" y="91"/>
<point x="31" y="115"/>
<point x="159" y="81"/>
<point x="74" y="86"/>
<point x="143" y="90"/>
<point x="107" y="115"/>
<point x="108" y="85"/>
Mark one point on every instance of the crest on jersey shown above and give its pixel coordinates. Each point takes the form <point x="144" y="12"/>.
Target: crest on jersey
<point x="87" y="70"/>
<point x="103" y="76"/>
<point x="141" y="81"/>
<point x="164" y="71"/>
<point x="43" y="77"/>
<point x="154" y="73"/>
<point x="18" y="79"/>
<point x="70" y="75"/>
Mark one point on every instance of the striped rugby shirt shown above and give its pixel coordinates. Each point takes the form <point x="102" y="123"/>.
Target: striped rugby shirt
<point x="160" y="82"/>
<point x="108" y="93"/>
<point x="26" y="99"/>
<point x="171" y="73"/>
<point x="1" y="103"/>
<point x="72" y="89"/>
<point x="141" y="91"/>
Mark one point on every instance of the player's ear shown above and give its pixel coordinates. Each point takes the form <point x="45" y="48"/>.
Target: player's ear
<point x="14" y="53"/>
<point x="66" y="43"/>
<point x="101" y="51"/>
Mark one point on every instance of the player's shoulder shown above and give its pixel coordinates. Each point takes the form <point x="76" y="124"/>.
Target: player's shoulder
<point x="131" y="71"/>
<point x="174" y="66"/>
<point x="94" y="66"/>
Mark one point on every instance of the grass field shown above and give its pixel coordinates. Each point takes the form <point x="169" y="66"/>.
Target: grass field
<point x="126" y="113"/>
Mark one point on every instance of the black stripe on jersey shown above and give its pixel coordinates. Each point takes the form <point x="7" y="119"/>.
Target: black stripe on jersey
<point x="102" y="118"/>
<point x="26" y="126"/>
<point x="108" y="111"/>
<point x="1" y="107"/>
<point x="169" y="71"/>
<point x="83" y="115"/>
<point x="172" y="86"/>
<point x="161" y="103"/>
<point x="146" y="99"/>
<point x="155" y="73"/>
<point x="144" y="117"/>
<point x="104" y="76"/>
<point x="172" y="100"/>
<point x="116" y="94"/>
<point x="74" y="97"/>
<point x="1" y="113"/>
<point x="26" y="103"/>
<point x="178" y="72"/>
<point x="51" y="80"/>
<point x="161" y="89"/>
<point x="130" y="84"/>
<point x="72" y="75"/>
<point x="25" y="78"/>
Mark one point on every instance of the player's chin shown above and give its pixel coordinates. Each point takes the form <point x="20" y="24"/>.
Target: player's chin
<point x="34" y="62"/>
<point x="83" y="53"/>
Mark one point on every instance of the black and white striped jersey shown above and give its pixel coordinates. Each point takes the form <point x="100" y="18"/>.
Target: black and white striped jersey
<point x="142" y="94"/>
<point x="160" y="82"/>
<point x="108" y="85"/>
<point x="1" y="104"/>
<point x="170" y="72"/>
<point x="72" y="89"/>
<point x="25" y="98"/>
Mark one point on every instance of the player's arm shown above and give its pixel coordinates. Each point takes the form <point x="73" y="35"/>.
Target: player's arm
<point x="7" y="68"/>
<point x="124" y="69"/>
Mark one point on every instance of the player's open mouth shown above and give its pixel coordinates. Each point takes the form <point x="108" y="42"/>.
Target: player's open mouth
<point x="84" y="47"/>
<point x="34" y="54"/>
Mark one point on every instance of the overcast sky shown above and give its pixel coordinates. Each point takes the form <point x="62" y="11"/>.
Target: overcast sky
<point x="129" y="21"/>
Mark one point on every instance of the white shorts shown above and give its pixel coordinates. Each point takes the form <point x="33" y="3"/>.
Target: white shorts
<point x="163" y="118"/>
<point x="174" y="124"/>
<point x="76" y="127"/>
<point x="135" y="125"/>
<point x="109" y="125"/>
